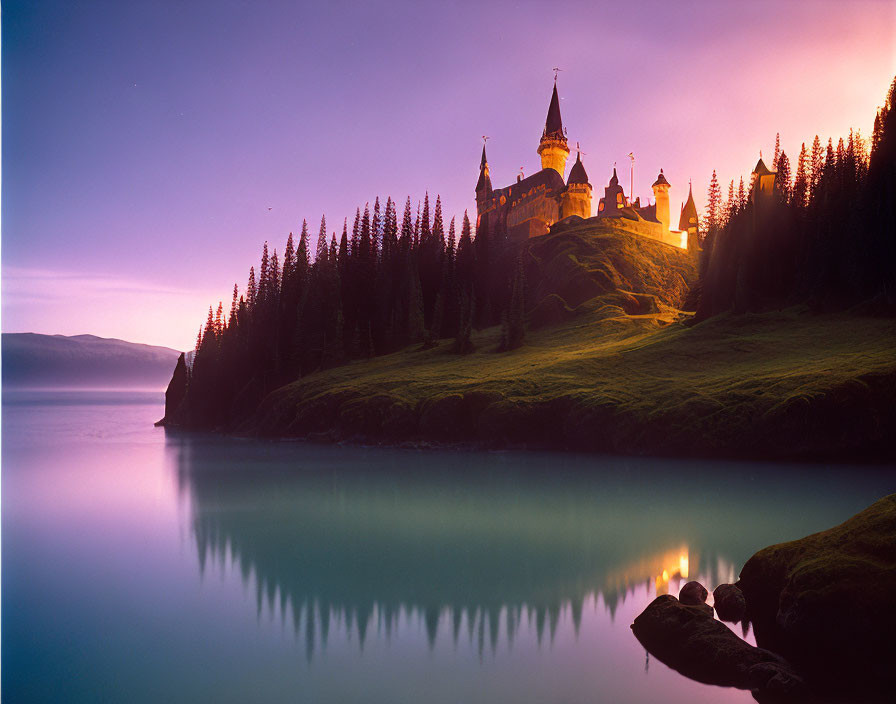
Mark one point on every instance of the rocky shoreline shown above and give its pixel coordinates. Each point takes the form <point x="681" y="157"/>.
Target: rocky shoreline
<point x="821" y="608"/>
<point x="489" y="421"/>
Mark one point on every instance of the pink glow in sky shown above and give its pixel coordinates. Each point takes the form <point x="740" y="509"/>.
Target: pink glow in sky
<point x="143" y="144"/>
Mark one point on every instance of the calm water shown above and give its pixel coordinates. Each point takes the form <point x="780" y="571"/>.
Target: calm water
<point x="146" y="566"/>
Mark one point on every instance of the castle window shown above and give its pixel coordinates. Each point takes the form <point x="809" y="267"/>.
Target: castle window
<point x="619" y="199"/>
<point x="600" y="206"/>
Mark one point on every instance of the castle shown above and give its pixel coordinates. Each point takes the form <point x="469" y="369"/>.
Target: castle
<point x="529" y="207"/>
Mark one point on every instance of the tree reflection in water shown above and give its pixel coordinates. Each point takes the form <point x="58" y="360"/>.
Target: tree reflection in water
<point x="362" y="541"/>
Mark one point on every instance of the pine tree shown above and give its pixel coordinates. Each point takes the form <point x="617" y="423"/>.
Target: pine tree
<point x="464" y="275"/>
<point x="816" y="165"/>
<point x="233" y="307"/>
<point x="782" y="178"/>
<point x="450" y="250"/>
<point x="343" y="250"/>
<point x="209" y="336"/>
<point x="274" y="277"/>
<point x="424" y="222"/>
<point x="830" y="162"/>
<point x="777" y="148"/>
<point x="840" y="158"/>
<point x="741" y="196"/>
<point x="438" y="228"/>
<point x="375" y="232"/>
<point x="713" y="217"/>
<point x="321" y="249"/>
<point x="801" y="182"/>
<point x="389" y="237"/>
<point x="407" y="228"/>
<point x="731" y="203"/>
<point x="250" y="290"/>
<point x="303" y="253"/>
<point x="356" y="235"/>
<point x="513" y="329"/>
<point x="263" y="273"/>
<point x="416" y="238"/>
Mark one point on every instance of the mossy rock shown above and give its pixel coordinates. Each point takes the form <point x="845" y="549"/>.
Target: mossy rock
<point x="689" y="640"/>
<point x="827" y="602"/>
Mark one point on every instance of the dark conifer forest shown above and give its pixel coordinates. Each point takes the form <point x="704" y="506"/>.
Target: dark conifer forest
<point x="389" y="281"/>
<point x="381" y="286"/>
<point x="828" y="238"/>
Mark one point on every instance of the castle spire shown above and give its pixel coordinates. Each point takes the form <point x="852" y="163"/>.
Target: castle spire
<point x="688" y="219"/>
<point x="553" y="148"/>
<point x="484" y="185"/>
<point x="553" y="125"/>
<point x="577" y="173"/>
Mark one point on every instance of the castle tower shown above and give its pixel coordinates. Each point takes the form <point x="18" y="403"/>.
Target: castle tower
<point x="576" y="199"/>
<point x="763" y="186"/>
<point x="688" y="223"/>
<point x="484" y="185"/>
<point x="614" y="198"/>
<point x="661" y="194"/>
<point x="553" y="149"/>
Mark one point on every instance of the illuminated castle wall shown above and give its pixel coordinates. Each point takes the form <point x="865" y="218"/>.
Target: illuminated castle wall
<point x="529" y="207"/>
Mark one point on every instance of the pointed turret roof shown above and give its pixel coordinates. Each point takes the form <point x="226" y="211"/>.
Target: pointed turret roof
<point x="660" y="180"/>
<point x="577" y="173"/>
<point x="688" y="212"/>
<point x="553" y="125"/>
<point x="614" y="180"/>
<point x="484" y="182"/>
<point x="762" y="170"/>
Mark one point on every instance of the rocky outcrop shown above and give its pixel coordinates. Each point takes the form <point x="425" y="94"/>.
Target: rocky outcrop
<point x="692" y="642"/>
<point x="176" y="392"/>
<point x="826" y="603"/>
<point x="729" y="602"/>
<point x="822" y="609"/>
<point x="693" y="593"/>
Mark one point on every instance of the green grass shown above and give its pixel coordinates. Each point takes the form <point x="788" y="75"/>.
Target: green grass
<point x="786" y="383"/>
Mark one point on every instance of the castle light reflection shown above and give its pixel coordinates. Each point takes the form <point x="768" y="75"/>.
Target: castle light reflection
<point x="367" y="558"/>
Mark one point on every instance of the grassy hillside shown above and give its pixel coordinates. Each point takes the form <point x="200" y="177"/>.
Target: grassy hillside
<point x="622" y="372"/>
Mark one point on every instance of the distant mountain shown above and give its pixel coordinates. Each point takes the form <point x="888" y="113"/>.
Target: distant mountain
<point x="48" y="361"/>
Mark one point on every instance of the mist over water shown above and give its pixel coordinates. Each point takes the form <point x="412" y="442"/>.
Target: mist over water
<point x="141" y="564"/>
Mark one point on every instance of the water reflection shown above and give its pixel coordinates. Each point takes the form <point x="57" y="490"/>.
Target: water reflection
<point x="140" y="566"/>
<point x="359" y="541"/>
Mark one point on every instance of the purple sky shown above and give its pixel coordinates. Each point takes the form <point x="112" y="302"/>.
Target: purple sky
<point x="143" y="142"/>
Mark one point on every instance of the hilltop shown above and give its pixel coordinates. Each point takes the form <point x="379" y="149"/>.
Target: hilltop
<point x="610" y="364"/>
<point x="44" y="361"/>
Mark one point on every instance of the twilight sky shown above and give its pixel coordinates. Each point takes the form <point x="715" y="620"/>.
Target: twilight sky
<point x="143" y="142"/>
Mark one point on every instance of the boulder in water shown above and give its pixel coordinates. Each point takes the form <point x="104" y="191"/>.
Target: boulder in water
<point x="729" y="602"/>
<point x="693" y="593"/>
<point x="692" y="642"/>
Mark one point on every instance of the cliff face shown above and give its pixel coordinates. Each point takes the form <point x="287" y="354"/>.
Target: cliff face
<point x="175" y="393"/>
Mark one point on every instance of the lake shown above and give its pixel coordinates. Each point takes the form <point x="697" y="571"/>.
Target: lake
<point x="145" y="565"/>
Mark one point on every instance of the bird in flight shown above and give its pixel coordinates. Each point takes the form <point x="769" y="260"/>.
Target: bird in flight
<point x="270" y="208"/>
